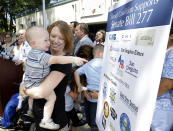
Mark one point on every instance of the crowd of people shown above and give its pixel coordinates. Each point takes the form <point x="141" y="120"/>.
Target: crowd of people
<point x="53" y="95"/>
<point x="63" y="69"/>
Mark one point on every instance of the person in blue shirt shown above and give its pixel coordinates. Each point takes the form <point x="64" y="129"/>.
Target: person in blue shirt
<point x="92" y="70"/>
<point x="163" y="113"/>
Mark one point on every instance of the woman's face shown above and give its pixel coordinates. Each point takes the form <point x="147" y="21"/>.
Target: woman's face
<point x="56" y="40"/>
<point x="8" y="39"/>
<point x="20" y="41"/>
<point x="99" y="36"/>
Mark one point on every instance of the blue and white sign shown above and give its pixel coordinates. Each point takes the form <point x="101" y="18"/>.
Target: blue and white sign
<point x="140" y="14"/>
<point x="135" y="47"/>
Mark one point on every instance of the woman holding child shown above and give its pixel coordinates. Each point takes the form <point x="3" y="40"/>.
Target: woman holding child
<point x="61" y="44"/>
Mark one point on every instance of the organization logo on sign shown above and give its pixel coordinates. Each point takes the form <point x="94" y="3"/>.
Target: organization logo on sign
<point x="115" y="49"/>
<point x="120" y="67"/>
<point x="145" y="37"/>
<point x="105" y="89"/>
<point x="124" y="122"/>
<point x="113" y="54"/>
<point x="112" y="95"/>
<point x="106" y="109"/>
<point x="121" y="62"/>
<point x="111" y="127"/>
<point x="113" y="113"/>
<point x="104" y="122"/>
<point x="131" y="69"/>
<point x="126" y="37"/>
<point x="112" y="37"/>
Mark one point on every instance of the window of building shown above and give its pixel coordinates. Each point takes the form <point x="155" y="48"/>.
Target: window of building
<point x="33" y="23"/>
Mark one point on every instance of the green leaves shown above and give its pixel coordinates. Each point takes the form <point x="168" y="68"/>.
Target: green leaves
<point x="11" y="8"/>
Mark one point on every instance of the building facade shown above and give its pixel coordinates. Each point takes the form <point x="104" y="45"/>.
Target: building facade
<point x="92" y="12"/>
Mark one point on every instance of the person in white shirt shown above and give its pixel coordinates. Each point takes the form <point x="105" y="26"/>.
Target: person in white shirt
<point x="17" y="49"/>
<point x="25" y="48"/>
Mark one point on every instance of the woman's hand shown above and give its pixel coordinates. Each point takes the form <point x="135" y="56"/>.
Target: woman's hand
<point x="46" y="86"/>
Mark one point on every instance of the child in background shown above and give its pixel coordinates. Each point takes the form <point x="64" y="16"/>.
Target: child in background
<point x="37" y="68"/>
<point x="71" y="95"/>
<point x="92" y="70"/>
<point x="84" y="51"/>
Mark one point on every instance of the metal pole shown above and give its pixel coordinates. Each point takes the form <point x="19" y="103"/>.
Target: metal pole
<point x="44" y="14"/>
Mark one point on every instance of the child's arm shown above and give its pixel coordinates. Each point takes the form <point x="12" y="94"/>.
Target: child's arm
<point x="77" y="79"/>
<point x="74" y="95"/>
<point x="66" y="60"/>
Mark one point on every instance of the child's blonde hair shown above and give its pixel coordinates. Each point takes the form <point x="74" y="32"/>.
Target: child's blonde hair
<point x="33" y="32"/>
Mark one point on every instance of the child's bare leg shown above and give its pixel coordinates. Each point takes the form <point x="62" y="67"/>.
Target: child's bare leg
<point x="48" y="107"/>
<point x="39" y="92"/>
<point x="47" y="122"/>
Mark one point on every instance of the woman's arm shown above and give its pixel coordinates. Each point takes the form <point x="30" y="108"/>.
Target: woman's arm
<point x="165" y="85"/>
<point x="47" y="86"/>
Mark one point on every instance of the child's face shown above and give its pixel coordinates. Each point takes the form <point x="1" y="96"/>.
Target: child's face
<point x="43" y="43"/>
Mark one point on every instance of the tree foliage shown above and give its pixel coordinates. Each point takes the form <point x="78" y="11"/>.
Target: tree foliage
<point x="11" y="8"/>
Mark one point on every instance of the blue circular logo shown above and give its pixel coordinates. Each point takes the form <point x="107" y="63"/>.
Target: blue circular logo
<point x="124" y="122"/>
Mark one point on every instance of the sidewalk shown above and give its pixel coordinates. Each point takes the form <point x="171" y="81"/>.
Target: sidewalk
<point x="82" y="128"/>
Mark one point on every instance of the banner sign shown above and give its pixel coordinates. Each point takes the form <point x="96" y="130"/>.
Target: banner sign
<point x="135" y="47"/>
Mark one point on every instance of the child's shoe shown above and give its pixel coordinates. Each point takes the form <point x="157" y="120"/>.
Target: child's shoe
<point x="49" y="125"/>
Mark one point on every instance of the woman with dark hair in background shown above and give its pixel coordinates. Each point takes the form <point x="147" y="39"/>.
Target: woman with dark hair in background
<point x="85" y="51"/>
<point x="100" y="37"/>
